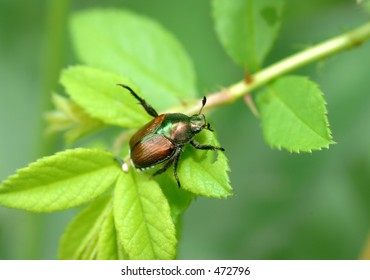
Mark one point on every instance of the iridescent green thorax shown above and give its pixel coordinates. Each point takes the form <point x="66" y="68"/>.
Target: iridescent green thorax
<point x="180" y="128"/>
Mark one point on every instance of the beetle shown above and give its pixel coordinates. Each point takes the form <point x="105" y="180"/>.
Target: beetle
<point x="162" y="139"/>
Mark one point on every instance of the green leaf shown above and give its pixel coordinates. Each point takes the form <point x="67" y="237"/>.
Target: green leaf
<point x="143" y="219"/>
<point x="205" y="172"/>
<point x="179" y="199"/>
<point x="293" y="115"/>
<point x="247" y="28"/>
<point x="108" y="244"/>
<point x="86" y="237"/>
<point x="97" y="92"/>
<point x="138" y="47"/>
<point x="70" y="118"/>
<point x="64" y="180"/>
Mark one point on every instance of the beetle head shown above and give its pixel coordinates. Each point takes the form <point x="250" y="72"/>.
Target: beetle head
<point x="198" y="122"/>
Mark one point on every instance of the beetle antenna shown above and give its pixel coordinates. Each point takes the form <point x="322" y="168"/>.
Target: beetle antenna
<point x="204" y="101"/>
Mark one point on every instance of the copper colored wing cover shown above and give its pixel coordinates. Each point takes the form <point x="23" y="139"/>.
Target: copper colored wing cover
<point x="147" y="129"/>
<point x="154" y="150"/>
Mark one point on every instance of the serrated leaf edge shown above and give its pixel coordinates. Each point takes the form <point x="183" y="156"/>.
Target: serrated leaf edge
<point x="325" y="114"/>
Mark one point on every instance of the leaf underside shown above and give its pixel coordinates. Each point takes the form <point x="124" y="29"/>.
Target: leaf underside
<point x="70" y="118"/>
<point x="247" y="29"/>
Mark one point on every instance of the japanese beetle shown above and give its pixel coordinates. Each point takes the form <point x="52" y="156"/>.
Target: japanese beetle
<point x="162" y="140"/>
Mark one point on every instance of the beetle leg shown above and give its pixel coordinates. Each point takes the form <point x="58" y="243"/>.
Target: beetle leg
<point x="149" y="109"/>
<point x="176" y="161"/>
<point x="205" y="147"/>
<point x="164" y="168"/>
<point x="168" y="163"/>
<point x="209" y="127"/>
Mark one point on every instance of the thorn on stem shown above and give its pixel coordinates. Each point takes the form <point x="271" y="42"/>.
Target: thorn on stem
<point x="250" y="103"/>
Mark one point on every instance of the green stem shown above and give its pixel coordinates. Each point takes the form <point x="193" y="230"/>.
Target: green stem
<point x="228" y="95"/>
<point x="56" y="14"/>
<point x="56" y="18"/>
<point x="330" y="47"/>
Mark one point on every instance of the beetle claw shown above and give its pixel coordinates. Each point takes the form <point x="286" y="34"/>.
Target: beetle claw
<point x="209" y="127"/>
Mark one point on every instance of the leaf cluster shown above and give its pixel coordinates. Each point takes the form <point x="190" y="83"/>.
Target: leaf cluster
<point x="128" y="214"/>
<point x="292" y="109"/>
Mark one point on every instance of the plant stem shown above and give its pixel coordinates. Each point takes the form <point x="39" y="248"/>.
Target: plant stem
<point x="330" y="47"/>
<point x="55" y="28"/>
<point x="56" y="14"/>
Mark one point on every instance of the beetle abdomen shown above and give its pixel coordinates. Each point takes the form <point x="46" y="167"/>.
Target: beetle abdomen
<point x="151" y="151"/>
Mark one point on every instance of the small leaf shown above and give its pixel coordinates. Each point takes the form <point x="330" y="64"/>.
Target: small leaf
<point x="86" y="236"/>
<point x="293" y="115"/>
<point x="97" y="92"/>
<point x="70" y="118"/>
<point x="143" y="219"/>
<point x="205" y="172"/>
<point x="135" y="46"/>
<point x="247" y="28"/>
<point x="61" y="181"/>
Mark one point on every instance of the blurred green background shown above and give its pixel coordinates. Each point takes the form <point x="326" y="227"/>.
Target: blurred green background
<point x="286" y="206"/>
